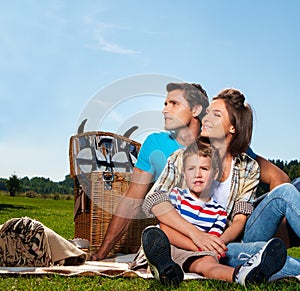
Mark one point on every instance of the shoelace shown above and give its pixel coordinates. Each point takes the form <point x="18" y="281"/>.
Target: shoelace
<point x="252" y="259"/>
<point x="245" y="258"/>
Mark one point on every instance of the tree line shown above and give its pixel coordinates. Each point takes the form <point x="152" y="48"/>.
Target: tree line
<point x="42" y="185"/>
<point x="291" y="168"/>
<point x="38" y="185"/>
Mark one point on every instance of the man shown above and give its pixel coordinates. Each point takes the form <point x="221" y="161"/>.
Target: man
<point x="184" y="107"/>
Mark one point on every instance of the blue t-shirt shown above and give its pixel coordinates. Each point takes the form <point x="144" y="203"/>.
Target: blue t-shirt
<point x="251" y="153"/>
<point x="155" y="151"/>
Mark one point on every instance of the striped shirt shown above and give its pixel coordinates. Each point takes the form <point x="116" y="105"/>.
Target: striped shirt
<point x="245" y="178"/>
<point x="208" y="216"/>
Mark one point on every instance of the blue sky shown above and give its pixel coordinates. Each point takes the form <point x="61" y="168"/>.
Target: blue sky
<point x="56" y="55"/>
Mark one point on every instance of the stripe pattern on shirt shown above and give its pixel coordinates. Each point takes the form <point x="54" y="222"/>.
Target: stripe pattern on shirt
<point x="208" y="216"/>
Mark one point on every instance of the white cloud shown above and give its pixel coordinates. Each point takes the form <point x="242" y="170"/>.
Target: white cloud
<point x="100" y="29"/>
<point x="113" y="47"/>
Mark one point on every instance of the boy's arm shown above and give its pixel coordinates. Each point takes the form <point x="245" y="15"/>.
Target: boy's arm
<point x="166" y="213"/>
<point x="178" y="239"/>
<point x="235" y="229"/>
<point x="181" y="241"/>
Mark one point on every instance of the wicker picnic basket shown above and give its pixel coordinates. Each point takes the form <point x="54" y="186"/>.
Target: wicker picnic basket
<point x="101" y="164"/>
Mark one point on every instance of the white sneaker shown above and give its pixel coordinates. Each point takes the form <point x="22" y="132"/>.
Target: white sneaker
<point x="261" y="266"/>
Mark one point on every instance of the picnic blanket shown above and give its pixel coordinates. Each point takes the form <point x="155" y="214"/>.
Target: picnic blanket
<point x="27" y="247"/>
<point x="114" y="267"/>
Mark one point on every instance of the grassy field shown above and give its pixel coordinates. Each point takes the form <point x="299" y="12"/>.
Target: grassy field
<point x="55" y="214"/>
<point x="58" y="215"/>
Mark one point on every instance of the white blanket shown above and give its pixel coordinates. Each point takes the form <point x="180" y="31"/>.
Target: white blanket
<point x="114" y="267"/>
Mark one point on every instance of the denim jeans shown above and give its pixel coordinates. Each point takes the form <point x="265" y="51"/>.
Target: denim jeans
<point x="262" y="225"/>
<point x="238" y="253"/>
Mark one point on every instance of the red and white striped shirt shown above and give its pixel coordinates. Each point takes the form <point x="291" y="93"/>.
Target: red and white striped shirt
<point x="208" y="216"/>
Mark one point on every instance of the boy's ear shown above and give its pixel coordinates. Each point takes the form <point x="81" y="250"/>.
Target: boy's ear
<point x="197" y="109"/>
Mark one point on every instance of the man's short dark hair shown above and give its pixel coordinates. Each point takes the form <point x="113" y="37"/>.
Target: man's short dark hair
<point x="193" y="93"/>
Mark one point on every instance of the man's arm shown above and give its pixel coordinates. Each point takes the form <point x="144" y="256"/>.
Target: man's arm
<point x="128" y="208"/>
<point x="270" y="174"/>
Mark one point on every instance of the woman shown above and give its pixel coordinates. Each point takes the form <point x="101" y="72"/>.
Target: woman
<point x="228" y="125"/>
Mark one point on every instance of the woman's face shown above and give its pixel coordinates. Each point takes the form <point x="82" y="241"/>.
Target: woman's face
<point x="216" y="123"/>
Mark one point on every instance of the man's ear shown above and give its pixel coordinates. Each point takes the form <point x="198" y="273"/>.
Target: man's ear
<point x="197" y="109"/>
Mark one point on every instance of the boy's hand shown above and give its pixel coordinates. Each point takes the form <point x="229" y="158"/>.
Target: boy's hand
<point x="209" y="242"/>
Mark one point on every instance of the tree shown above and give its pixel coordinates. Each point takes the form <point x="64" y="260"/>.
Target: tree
<point x="291" y="168"/>
<point x="13" y="185"/>
<point x="3" y="184"/>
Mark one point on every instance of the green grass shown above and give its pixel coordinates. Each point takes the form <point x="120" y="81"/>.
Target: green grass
<point x="55" y="214"/>
<point x="58" y="215"/>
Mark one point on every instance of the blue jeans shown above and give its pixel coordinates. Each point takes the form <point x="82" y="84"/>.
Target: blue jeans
<point x="238" y="253"/>
<point x="263" y="224"/>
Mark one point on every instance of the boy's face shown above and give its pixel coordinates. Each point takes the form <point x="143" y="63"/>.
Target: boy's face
<point x="199" y="175"/>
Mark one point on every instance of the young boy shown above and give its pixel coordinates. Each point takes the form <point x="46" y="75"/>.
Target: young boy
<point x="201" y="164"/>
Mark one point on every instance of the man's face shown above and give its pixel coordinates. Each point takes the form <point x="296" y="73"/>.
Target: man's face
<point x="177" y="113"/>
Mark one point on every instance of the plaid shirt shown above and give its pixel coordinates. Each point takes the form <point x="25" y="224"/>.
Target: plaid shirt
<point x="245" y="179"/>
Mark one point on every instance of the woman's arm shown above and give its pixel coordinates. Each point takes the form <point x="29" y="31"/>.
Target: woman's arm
<point x="270" y="173"/>
<point x="245" y="181"/>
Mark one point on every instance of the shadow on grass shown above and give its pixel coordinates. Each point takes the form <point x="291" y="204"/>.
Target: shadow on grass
<point x="4" y="207"/>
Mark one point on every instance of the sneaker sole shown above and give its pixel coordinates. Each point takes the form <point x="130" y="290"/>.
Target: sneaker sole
<point x="272" y="261"/>
<point x="157" y="249"/>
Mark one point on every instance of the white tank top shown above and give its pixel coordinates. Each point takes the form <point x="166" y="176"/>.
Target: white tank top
<point x="221" y="190"/>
